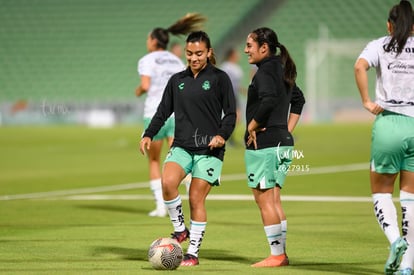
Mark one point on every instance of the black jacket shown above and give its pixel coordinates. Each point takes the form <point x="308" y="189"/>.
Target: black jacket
<point x="269" y="102"/>
<point x="203" y="106"/>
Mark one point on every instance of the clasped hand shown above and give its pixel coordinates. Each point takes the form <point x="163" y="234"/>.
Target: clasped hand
<point x="216" y="142"/>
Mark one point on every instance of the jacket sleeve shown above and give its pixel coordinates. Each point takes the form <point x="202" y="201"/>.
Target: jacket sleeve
<point x="164" y="110"/>
<point x="297" y="101"/>
<point x="228" y="101"/>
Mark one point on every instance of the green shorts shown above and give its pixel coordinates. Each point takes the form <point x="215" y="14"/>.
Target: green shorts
<point x="166" y="131"/>
<point x="392" y="143"/>
<point x="267" y="168"/>
<point x="204" y="167"/>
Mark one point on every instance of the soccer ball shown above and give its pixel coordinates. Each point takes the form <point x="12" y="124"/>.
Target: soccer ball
<point x="165" y="253"/>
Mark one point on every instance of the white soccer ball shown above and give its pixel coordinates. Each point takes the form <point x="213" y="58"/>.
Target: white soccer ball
<point x="165" y="253"/>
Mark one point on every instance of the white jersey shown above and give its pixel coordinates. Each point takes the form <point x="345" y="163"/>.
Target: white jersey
<point x="395" y="75"/>
<point x="159" y="66"/>
<point x="235" y="73"/>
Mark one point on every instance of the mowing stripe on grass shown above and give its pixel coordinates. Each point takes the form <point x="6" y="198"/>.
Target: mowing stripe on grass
<point x="231" y="177"/>
<point x="301" y="170"/>
<point x="222" y="197"/>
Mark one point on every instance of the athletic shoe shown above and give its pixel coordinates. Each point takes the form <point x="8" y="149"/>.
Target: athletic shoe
<point x="287" y="259"/>
<point x="181" y="236"/>
<point x="273" y="261"/>
<point x="405" y="271"/>
<point x="394" y="259"/>
<point x="189" y="260"/>
<point x="159" y="212"/>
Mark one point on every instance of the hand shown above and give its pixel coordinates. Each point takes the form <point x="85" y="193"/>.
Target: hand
<point x="138" y="91"/>
<point x="144" y="145"/>
<point x="373" y="107"/>
<point x="252" y="137"/>
<point x="216" y="142"/>
<point x="252" y="128"/>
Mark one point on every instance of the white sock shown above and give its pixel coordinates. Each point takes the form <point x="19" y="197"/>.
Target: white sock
<point x="175" y="210"/>
<point x="274" y="237"/>
<point x="407" y="207"/>
<point x="284" y="233"/>
<point x="386" y="215"/>
<point x="197" y="230"/>
<point x="156" y="189"/>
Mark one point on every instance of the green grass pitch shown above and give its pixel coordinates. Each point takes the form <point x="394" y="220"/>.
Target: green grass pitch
<point x="78" y="231"/>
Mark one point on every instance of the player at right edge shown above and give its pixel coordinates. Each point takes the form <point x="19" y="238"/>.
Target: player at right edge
<point x="392" y="142"/>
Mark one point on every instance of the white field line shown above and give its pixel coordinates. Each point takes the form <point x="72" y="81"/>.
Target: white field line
<point x="137" y="185"/>
<point x="99" y="189"/>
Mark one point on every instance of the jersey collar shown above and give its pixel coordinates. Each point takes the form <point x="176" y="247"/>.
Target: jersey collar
<point x="188" y="71"/>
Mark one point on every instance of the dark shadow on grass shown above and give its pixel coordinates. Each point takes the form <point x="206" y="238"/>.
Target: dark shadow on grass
<point x="130" y="254"/>
<point x="353" y="268"/>
<point x="223" y="255"/>
<point x="141" y="254"/>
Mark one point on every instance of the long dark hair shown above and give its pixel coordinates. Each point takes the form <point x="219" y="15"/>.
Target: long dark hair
<point x="201" y="36"/>
<point x="190" y="22"/>
<point x="268" y="36"/>
<point x="401" y="20"/>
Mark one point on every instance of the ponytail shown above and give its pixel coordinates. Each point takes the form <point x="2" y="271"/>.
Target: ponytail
<point x="401" y="19"/>
<point x="289" y="65"/>
<point x="190" y="22"/>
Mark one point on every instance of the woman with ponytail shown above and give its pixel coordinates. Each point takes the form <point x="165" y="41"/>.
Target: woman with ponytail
<point x="274" y="105"/>
<point x="203" y="102"/>
<point x="154" y="69"/>
<point x="392" y="142"/>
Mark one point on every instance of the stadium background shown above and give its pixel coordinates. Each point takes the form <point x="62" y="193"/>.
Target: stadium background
<point x="72" y="61"/>
<point x="74" y="199"/>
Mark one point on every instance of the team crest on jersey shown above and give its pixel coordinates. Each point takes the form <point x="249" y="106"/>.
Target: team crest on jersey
<point x="206" y="85"/>
<point x="181" y="86"/>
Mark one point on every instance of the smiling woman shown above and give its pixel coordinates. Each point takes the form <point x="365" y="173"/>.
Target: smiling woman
<point x="274" y="105"/>
<point x="198" y="97"/>
<point x="198" y="53"/>
<point x="154" y="69"/>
